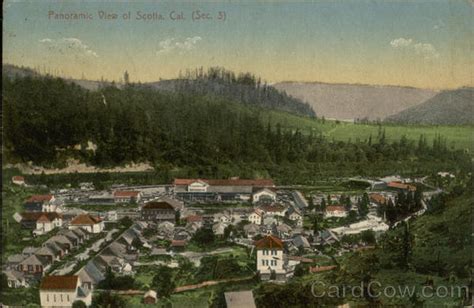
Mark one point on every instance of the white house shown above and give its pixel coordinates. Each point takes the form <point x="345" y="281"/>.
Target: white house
<point x="256" y="217"/>
<point x="264" y="194"/>
<point x="90" y="223"/>
<point x="198" y="186"/>
<point x="18" y="180"/>
<point x="122" y="196"/>
<point x="270" y="257"/>
<point x="295" y="216"/>
<point x="223" y="218"/>
<point x="63" y="291"/>
<point x="274" y="210"/>
<point x="46" y="223"/>
<point x="335" y="211"/>
<point x="219" y="228"/>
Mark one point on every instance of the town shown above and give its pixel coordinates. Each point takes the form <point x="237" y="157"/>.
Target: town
<point x="131" y="238"/>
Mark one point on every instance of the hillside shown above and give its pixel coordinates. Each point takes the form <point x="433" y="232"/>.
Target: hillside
<point x="243" y="88"/>
<point x="352" y="101"/>
<point x="453" y="107"/>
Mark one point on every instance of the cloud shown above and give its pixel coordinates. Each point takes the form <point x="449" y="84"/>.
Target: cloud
<point x="171" y="44"/>
<point x="425" y="50"/>
<point x="69" y="45"/>
<point x="401" y="42"/>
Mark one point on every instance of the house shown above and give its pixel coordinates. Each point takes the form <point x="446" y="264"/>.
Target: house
<point x="14" y="260"/>
<point x="63" y="291"/>
<point x="149" y="298"/>
<point x="41" y="222"/>
<point x="124" y="196"/>
<point x="16" y="279"/>
<point x="273" y="210"/>
<point x="256" y="217"/>
<point x="178" y="245"/>
<point x="198" y="219"/>
<point x="283" y="230"/>
<point x="251" y="230"/>
<point x="401" y="186"/>
<point x="34" y="265"/>
<point x="90" y="275"/>
<point x="300" y="201"/>
<point x="91" y="224"/>
<point x="326" y="237"/>
<point x="223" y="218"/>
<point x="219" y="228"/>
<point x="264" y="195"/>
<point x="158" y="211"/>
<point x="295" y="215"/>
<point x="239" y="299"/>
<point x="300" y="241"/>
<point x="270" y="258"/>
<point x="377" y="198"/>
<point x="18" y="180"/>
<point x="40" y="203"/>
<point x="28" y="251"/>
<point x="335" y="211"/>
<point x="165" y="229"/>
<point x="50" y="252"/>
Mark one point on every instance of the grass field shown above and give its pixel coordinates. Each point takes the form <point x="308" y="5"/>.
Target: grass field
<point x="459" y="137"/>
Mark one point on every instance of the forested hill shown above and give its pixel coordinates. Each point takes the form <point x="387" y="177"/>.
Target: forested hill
<point x="48" y="120"/>
<point x="243" y="88"/>
<point x="454" y="107"/>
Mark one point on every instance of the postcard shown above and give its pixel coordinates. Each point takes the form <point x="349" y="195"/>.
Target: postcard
<point x="237" y="153"/>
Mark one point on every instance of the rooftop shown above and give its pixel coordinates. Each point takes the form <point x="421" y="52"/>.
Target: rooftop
<point x="163" y="205"/>
<point x="85" y="219"/>
<point x="227" y="182"/>
<point x="59" y="283"/>
<point x="39" y="198"/>
<point x="269" y="242"/>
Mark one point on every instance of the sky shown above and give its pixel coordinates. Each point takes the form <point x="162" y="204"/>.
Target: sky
<point x="426" y="44"/>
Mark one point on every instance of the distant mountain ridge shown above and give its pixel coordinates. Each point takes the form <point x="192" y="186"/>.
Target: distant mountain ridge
<point x="451" y="107"/>
<point x="243" y="88"/>
<point x="355" y="101"/>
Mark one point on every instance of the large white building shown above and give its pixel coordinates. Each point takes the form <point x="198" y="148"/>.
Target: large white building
<point x="270" y="258"/>
<point x="256" y="217"/>
<point x="63" y="291"/>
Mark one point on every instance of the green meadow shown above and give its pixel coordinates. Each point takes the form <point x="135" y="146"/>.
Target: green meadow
<point x="458" y="137"/>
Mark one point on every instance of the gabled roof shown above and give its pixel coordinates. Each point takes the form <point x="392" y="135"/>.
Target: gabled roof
<point x="377" y="198"/>
<point x="150" y="293"/>
<point x="272" y="208"/>
<point x="125" y="193"/>
<point x="335" y="208"/>
<point x="194" y="218"/>
<point x="269" y="242"/>
<point x="398" y="185"/>
<point x="227" y="182"/>
<point x="39" y="198"/>
<point x="18" y="178"/>
<point x="40" y="216"/>
<point x="85" y="219"/>
<point x="59" y="283"/>
<point x="162" y="205"/>
<point x="34" y="259"/>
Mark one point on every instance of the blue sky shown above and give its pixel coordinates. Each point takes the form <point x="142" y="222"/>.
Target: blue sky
<point x="422" y="44"/>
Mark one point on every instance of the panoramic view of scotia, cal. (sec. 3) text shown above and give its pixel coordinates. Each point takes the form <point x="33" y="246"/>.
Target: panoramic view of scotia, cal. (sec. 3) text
<point x="237" y="154"/>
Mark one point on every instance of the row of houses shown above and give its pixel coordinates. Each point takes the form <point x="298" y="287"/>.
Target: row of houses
<point x="29" y="266"/>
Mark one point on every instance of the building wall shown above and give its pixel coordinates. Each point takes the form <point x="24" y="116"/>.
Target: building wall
<point x="269" y="259"/>
<point x="57" y="298"/>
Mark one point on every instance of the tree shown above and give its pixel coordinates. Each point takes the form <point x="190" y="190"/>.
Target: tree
<point x="136" y="243"/>
<point x="316" y="226"/>
<point x="323" y="205"/>
<point x="4" y="282"/>
<point x="368" y="236"/>
<point x="204" y="236"/>
<point x="163" y="281"/>
<point x="79" y="304"/>
<point x="177" y="217"/>
<point x="126" y="222"/>
<point x="107" y="299"/>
